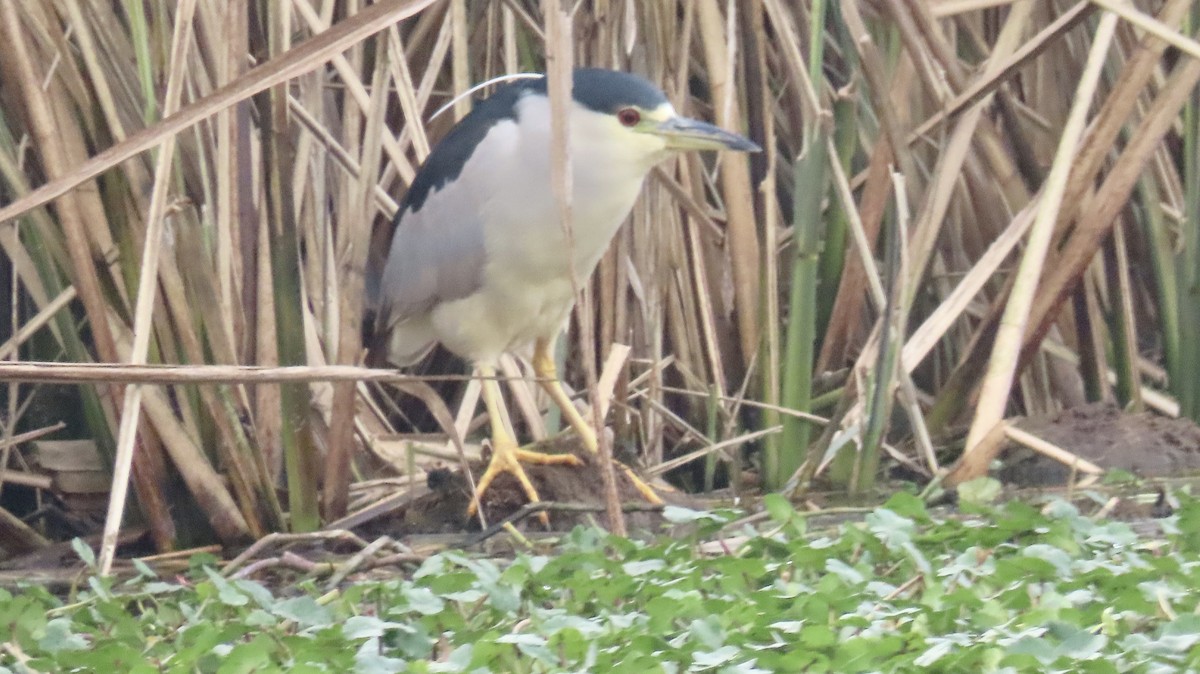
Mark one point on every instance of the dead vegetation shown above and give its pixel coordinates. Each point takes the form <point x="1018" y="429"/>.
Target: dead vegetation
<point x="968" y="208"/>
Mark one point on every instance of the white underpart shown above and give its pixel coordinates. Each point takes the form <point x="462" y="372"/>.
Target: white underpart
<point x="527" y="290"/>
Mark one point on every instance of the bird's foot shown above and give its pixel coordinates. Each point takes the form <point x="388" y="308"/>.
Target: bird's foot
<point x="507" y="457"/>
<point x="644" y="489"/>
<point x="588" y="436"/>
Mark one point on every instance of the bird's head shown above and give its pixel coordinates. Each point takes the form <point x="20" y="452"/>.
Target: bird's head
<point x="636" y="114"/>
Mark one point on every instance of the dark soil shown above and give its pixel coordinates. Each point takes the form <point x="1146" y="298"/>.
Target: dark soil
<point x="1145" y="444"/>
<point x="575" y="495"/>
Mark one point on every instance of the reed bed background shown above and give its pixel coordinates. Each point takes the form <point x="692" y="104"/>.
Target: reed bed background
<point x="965" y="210"/>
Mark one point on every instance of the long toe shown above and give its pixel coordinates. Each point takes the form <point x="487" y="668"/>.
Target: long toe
<point x="644" y="489"/>
<point x="508" y="459"/>
<point x="529" y="456"/>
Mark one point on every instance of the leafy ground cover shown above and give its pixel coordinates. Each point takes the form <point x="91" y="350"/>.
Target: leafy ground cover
<point x="1016" y="588"/>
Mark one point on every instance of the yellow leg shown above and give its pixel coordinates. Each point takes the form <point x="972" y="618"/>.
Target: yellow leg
<point x="547" y="372"/>
<point x="506" y="455"/>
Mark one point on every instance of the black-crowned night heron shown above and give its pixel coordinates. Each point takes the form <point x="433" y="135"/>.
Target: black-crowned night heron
<point x="479" y="259"/>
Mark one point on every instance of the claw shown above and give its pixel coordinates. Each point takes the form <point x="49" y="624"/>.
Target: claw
<point x="507" y="458"/>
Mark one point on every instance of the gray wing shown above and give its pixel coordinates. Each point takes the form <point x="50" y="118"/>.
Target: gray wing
<point x="436" y="255"/>
<point x="433" y="259"/>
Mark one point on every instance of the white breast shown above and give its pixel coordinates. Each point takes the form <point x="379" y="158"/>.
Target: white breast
<point x="527" y="290"/>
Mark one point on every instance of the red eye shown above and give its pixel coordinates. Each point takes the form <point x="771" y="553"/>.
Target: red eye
<point x="629" y="117"/>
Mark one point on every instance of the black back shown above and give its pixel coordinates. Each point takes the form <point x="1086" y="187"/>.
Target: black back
<point x="594" y="88"/>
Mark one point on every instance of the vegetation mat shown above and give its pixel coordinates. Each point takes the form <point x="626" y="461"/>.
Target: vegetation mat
<point x="1014" y="588"/>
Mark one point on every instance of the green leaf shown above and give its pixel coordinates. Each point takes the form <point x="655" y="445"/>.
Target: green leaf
<point x="1118" y="476"/>
<point x="522" y="639"/>
<point x="59" y="637"/>
<point x="1181" y="634"/>
<point x="143" y="569"/>
<point x="366" y="626"/>
<point x="1056" y="556"/>
<point x="707" y="631"/>
<point x="84" y="552"/>
<point x="891" y="529"/>
<point x="1082" y="644"/>
<point x="643" y="567"/>
<point x="939" y="650"/>
<point x="248" y="657"/>
<point x="907" y="505"/>
<point x="680" y="515"/>
<point x="464" y="597"/>
<point x="844" y="571"/>
<point x="227" y="593"/>
<point x="709" y="659"/>
<point x="779" y="508"/>
<point x="980" y="491"/>
<point x="369" y="659"/>
<point x="304" y="611"/>
<point x="817" y="636"/>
